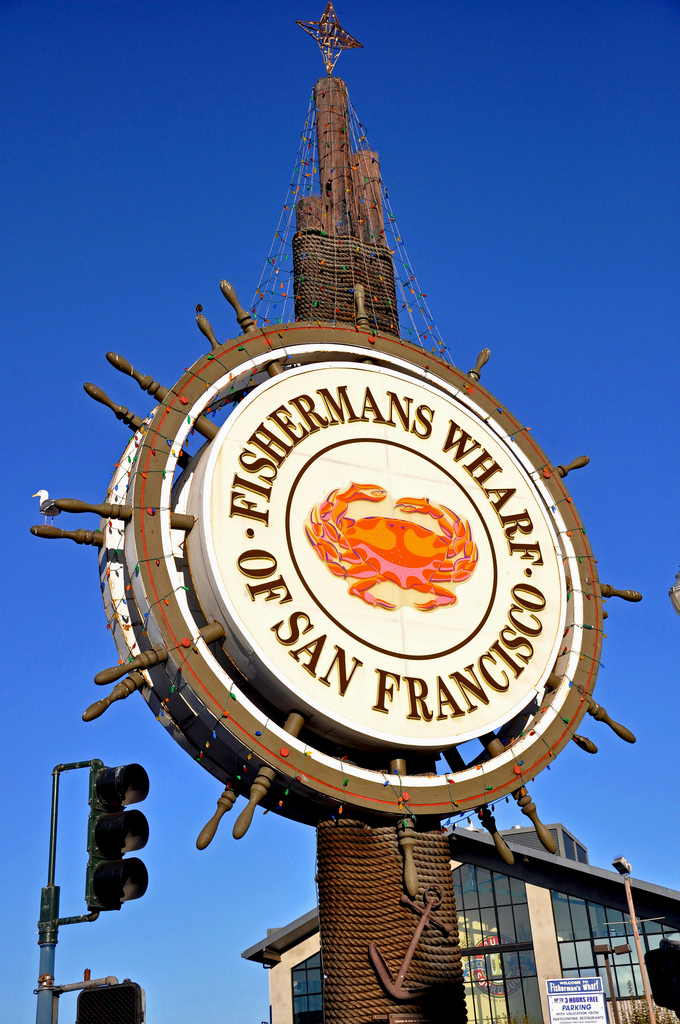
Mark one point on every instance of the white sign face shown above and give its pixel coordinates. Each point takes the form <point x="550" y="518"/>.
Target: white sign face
<point x="379" y="557"/>
<point x="580" y="1000"/>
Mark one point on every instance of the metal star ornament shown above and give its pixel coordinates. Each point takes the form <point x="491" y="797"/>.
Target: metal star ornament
<point x="332" y="39"/>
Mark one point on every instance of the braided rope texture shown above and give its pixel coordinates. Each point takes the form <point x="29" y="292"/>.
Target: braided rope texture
<point x="325" y="270"/>
<point x="360" y="879"/>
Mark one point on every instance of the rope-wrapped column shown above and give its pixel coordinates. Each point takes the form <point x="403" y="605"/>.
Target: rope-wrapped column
<point x="361" y="884"/>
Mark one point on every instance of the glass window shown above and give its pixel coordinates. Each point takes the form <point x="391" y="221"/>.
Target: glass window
<point x="568" y="846"/>
<point x="624" y="981"/>
<point x="579" y="918"/>
<point x="579" y="924"/>
<point x="527" y="963"/>
<point x="616" y="924"/>
<point x="499" y="982"/>
<point x="598" y="921"/>
<point x="484" y="889"/>
<point x="532" y="999"/>
<point x="501" y="884"/>
<point x="584" y="954"/>
<point x="470" y="893"/>
<point x="522" y="924"/>
<point x="473" y="927"/>
<point x="568" y="955"/>
<point x="516" y="1006"/>
<point x="487" y="918"/>
<point x="562" y="917"/>
<point x="637" y="987"/>
<point x="307" y="991"/>
<point x="506" y="925"/>
<point x="518" y="891"/>
<point x="581" y="854"/>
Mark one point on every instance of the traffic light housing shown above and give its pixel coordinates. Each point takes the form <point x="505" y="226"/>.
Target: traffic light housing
<point x="113" y="831"/>
<point x="663" y="970"/>
<point x="119" y="1004"/>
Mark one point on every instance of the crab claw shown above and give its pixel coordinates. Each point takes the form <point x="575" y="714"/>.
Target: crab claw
<point x="411" y="505"/>
<point x="369" y="492"/>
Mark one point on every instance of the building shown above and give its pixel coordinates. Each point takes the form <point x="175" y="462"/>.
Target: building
<point x="519" y="926"/>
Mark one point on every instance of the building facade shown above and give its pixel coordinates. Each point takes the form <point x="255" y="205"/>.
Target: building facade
<point x="519" y="926"/>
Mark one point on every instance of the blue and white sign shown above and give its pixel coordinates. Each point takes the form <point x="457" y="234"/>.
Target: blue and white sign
<point x="576" y="1000"/>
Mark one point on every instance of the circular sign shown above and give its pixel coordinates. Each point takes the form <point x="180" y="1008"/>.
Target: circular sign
<point x="495" y="973"/>
<point x="329" y="557"/>
<point x="379" y="556"/>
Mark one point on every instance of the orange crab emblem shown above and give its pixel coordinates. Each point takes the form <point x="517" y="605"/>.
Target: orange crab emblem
<point x="379" y="549"/>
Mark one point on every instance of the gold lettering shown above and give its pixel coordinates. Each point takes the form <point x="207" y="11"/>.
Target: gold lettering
<point x="513" y="642"/>
<point x="250" y="485"/>
<point x="256" y="555"/>
<point x="521" y="522"/>
<point x="272" y="590"/>
<point x="268" y="443"/>
<point x="461" y="444"/>
<point x="312" y="418"/>
<point x="504" y="495"/>
<point x="248" y="509"/>
<point x="335" y="409"/>
<point x="529" y="550"/>
<point x="519" y="592"/>
<point x="258" y="464"/>
<point x="479" y="463"/>
<point x="510" y="662"/>
<point x="521" y="626"/>
<point x="294" y="628"/>
<point x="465" y="687"/>
<point x="385" y="691"/>
<point x="444" y="696"/>
<point x="281" y="417"/>
<point x="344" y="680"/>
<point x="313" y="649"/>
<point x="403" y="414"/>
<point x="417" y="700"/>
<point x="493" y="683"/>
<point x="424" y="422"/>
<point x="372" y="406"/>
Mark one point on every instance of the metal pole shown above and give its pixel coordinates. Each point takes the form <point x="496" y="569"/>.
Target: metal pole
<point x="47" y="925"/>
<point x="638" y="945"/>
<point x="51" y="867"/>
<point x="47" y="1010"/>
<point x="612" y="993"/>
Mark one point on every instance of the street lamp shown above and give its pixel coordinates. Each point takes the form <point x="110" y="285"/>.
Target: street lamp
<point x="606" y="951"/>
<point x="674" y="594"/>
<point x="623" y="867"/>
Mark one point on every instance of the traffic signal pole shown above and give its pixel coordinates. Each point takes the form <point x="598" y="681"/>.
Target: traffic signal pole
<point x="48" y="925"/>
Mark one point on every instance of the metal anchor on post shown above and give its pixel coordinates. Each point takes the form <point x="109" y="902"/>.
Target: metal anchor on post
<point x="432" y="899"/>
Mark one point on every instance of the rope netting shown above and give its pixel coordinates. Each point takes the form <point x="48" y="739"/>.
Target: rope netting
<point x="274" y="300"/>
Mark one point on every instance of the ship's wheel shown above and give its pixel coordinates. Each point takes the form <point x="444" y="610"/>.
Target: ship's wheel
<point x="330" y="562"/>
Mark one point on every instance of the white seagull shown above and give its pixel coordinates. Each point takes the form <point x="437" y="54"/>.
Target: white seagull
<point x="47" y="506"/>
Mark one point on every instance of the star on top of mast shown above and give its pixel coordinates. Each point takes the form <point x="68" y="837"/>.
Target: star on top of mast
<point x="332" y="39"/>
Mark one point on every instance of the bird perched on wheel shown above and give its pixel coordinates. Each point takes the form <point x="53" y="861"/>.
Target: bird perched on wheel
<point x="47" y="506"/>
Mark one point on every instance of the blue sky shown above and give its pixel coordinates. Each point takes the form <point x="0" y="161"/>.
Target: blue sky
<point x="531" y="154"/>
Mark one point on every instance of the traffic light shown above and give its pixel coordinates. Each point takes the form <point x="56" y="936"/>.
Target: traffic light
<point x="114" y="1004"/>
<point x="663" y="969"/>
<point x="112" y="832"/>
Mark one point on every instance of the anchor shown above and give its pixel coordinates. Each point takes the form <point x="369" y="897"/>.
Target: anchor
<point x="432" y="899"/>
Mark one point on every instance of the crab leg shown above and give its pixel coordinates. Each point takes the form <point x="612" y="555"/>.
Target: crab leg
<point x="442" y="597"/>
<point x="362" y="589"/>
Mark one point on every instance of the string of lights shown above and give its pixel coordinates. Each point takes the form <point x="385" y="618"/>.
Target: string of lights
<point x="274" y="299"/>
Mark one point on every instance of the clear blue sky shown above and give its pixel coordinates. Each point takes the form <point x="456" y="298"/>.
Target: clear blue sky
<point x="531" y="154"/>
